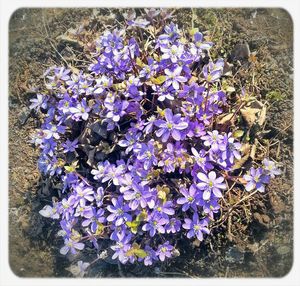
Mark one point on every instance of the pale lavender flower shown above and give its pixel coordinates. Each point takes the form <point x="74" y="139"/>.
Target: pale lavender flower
<point x="70" y="146"/>
<point x="164" y="250"/>
<point x="146" y="155"/>
<point x="155" y="223"/>
<point x="256" y="180"/>
<point x="151" y="255"/>
<point x="119" y="232"/>
<point x="139" y="196"/>
<point x="196" y="227"/>
<point x="50" y="212"/>
<point x="80" y="111"/>
<point x="118" y="211"/>
<point x="174" y="77"/>
<point x="82" y="193"/>
<point x="173" y="226"/>
<point x="213" y="139"/>
<point x="121" y="248"/>
<point x="71" y="245"/>
<point x="99" y="194"/>
<point x="270" y="168"/>
<point x="93" y="218"/>
<point x="149" y="124"/>
<point x="189" y="199"/>
<point x="201" y="159"/>
<point x="173" y="53"/>
<point x="39" y="102"/>
<point x="210" y="184"/>
<point x="173" y="125"/>
<point x="130" y="140"/>
<point x="116" y="110"/>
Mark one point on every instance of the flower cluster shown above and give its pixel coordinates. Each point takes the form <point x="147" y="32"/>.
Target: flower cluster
<point x="131" y="140"/>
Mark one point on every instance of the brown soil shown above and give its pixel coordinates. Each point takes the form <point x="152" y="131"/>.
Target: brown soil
<point x="257" y="240"/>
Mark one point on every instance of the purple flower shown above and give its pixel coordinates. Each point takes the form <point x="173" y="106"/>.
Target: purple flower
<point x="99" y="196"/>
<point x="163" y="92"/>
<point x="39" y="102"/>
<point x="212" y="72"/>
<point x="196" y="227"/>
<point x="66" y="229"/>
<point x="201" y="159"/>
<point x="198" y="40"/>
<point x="82" y="209"/>
<point x="146" y="155"/>
<point x="171" y="33"/>
<point x="174" y="78"/>
<point x="155" y="223"/>
<point x="80" y="111"/>
<point x="49" y="211"/>
<point x="70" y="146"/>
<point x="67" y="208"/>
<point x="149" y="70"/>
<point x="60" y="74"/>
<point x="126" y="182"/>
<point x="82" y="193"/>
<point x="130" y="140"/>
<point x="114" y="174"/>
<point x="173" y="226"/>
<point x="173" y="53"/>
<point x="102" y="168"/>
<point x="118" y="211"/>
<point x="111" y="41"/>
<point x="121" y="248"/>
<point x="53" y="130"/>
<point x="151" y="255"/>
<point x="256" y="180"/>
<point x="49" y="146"/>
<point x="164" y="250"/>
<point x="139" y="196"/>
<point x="270" y="168"/>
<point x="195" y="129"/>
<point x="190" y="198"/>
<point x="210" y="184"/>
<point x="93" y="218"/>
<point x="172" y="126"/>
<point x="71" y="245"/>
<point x="210" y="206"/>
<point x="116" y="110"/>
<point x="213" y="139"/>
<point x="102" y="84"/>
<point x="119" y="232"/>
<point x="164" y="209"/>
<point x="230" y="149"/>
<point x="149" y="124"/>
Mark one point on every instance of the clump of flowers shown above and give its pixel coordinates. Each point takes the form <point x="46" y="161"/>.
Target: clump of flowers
<point x="133" y="142"/>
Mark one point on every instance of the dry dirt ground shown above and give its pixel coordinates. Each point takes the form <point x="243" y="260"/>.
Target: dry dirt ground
<point x="258" y="240"/>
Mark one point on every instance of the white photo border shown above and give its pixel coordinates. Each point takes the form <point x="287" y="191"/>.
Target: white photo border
<point x="8" y="7"/>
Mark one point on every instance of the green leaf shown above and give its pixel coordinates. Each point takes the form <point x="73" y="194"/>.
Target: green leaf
<point x="140" y="253"/>
<point x="139" y="62"/>
<point x="133" y="225"/>
<point x="119" y="86"/>
<point x="72" y="168"/>
<point x="158" y="80"/>
<point x="238" y="133"/>
<point x="230" y="89"/>
<point x="193" y="31"/>
<point x="136" y="250"/>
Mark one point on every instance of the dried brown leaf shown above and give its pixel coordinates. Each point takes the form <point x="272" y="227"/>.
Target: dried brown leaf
<point x="250" y="115"/>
